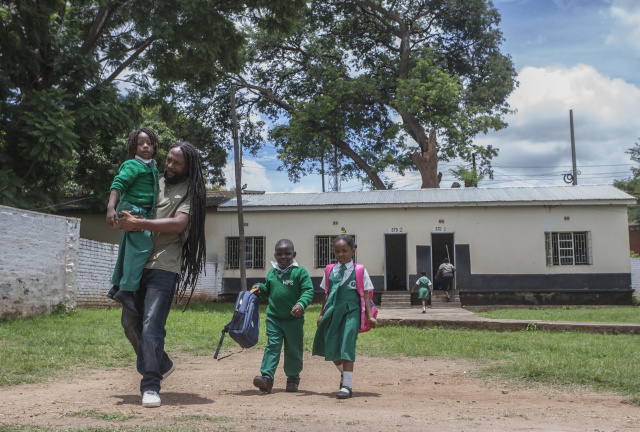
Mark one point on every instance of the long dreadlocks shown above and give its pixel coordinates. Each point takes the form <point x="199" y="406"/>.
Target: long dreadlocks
<point x="132" y="142"/>
<point x="194" y="249"/>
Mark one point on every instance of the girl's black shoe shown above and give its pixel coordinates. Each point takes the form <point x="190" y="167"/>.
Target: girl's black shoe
<point x="345" y="393"/>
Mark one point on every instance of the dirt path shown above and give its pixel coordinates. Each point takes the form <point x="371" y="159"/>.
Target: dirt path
<point x="403" y="394"/>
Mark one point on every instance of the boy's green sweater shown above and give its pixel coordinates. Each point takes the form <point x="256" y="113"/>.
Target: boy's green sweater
<point x="284" y="290"/>
<point x="135" y="182"/>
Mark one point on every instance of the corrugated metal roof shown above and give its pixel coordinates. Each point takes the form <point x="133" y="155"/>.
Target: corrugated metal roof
<point x="535" y="195"/>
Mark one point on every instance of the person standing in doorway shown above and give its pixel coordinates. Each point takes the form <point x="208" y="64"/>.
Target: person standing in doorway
<point x="447" y="270"/>
<point x="176" y="261"/>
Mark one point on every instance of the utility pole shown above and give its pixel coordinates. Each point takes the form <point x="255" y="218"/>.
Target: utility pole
<point x="322" y="170"/>
<point x="573" y="150"/>
<point x="238" y="169"/>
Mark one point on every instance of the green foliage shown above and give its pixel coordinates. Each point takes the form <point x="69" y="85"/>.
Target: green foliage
<point x="370" y="79"/>
<point x="532" y="326"/>
<point x="632" y="185"/>
<point x="470" y="177"/>
<point x="76" y="77"/>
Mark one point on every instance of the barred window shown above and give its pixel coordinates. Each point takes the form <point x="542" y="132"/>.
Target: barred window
<point x="253" y="252"/>
<point x="324" y="251"/>
<point x="568" y="248"/>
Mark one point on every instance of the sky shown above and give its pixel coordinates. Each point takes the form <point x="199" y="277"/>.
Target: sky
<point x="580" y="55"/>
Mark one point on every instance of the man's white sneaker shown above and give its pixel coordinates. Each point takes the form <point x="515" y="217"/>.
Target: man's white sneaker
<point x="150" y="399"/>
<point x="167" y="373"/>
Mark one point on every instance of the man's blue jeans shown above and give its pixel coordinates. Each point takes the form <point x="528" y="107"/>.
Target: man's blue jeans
<point x="146" y="332"/>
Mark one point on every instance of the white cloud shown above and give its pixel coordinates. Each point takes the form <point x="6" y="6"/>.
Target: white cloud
<point x="606" y="124"/>
<point x="626" y="24"/>
<point x="254" y="175"/>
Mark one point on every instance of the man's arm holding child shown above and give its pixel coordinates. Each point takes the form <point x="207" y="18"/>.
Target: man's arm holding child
<point x="174" y="225"/>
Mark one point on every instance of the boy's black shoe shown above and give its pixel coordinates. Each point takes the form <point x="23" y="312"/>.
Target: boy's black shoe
<point x="113" y="291"/>
<point x="344" y="393"/>
<point x="127" y="300"/>
<point x="264" y="383"/>
<point x="292" y="385"/>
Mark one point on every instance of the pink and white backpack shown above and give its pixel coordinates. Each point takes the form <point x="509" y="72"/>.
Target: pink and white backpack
<point x="359" y="269"/>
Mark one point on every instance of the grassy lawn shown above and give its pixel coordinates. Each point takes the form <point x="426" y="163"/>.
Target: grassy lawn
<point x="40" y="348"/>
<point x="579" y="314"/>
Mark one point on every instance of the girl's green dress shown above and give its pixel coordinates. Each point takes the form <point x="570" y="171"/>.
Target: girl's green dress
<point x="338" y="330"/>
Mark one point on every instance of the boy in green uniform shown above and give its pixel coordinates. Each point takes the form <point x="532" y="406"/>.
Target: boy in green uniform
<point x="289" y="290"/>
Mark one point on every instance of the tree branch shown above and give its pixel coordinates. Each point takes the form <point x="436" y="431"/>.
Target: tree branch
<point x="131" y="59"/>
<point x="98" y="26"/>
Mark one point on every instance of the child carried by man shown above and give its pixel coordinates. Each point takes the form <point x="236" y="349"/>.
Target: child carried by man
<point x="134" y="189"/>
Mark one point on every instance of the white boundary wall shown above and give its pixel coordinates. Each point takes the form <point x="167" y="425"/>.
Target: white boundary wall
<point x="38" y="261"/>
<point x="96" y="266"/>
<point x="635" y="276"/>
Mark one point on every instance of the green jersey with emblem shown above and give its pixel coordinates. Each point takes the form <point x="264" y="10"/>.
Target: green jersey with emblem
<point x="285" y="289"/>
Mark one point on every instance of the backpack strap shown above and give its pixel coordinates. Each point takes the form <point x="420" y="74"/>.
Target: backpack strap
<point x="364" y="322"/>
<point x="327" y="282"/>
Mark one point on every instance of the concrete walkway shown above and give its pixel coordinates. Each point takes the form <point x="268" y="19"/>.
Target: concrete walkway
<point x="451" y="318"/>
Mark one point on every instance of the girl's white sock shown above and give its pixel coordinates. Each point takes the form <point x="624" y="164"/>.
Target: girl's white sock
<point x="340" y="368"/>
<point x="347" y="378"/>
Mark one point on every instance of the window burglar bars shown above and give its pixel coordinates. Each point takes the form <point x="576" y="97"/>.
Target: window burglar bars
<point x="324" y="251"/>
<point x="568" y="248"/>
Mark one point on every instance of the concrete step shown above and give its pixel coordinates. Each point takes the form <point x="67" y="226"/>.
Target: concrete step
<point x="395" y="300"/>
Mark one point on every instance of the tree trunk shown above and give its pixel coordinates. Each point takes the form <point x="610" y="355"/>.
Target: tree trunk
<point x="427" y="160"/>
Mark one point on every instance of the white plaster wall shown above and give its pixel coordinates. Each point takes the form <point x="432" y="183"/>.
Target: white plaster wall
<point x="38" y="261"/>
<point x="635" y="276"/>
<point x="502" y="240"/>
<point x="95" y="267"/>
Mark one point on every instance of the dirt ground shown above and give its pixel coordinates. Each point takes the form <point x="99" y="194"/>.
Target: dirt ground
<point x="402" y="394"/>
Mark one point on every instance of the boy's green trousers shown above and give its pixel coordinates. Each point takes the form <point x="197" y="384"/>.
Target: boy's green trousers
<point x="291" y="332"/>
<point x="133" y="253"/>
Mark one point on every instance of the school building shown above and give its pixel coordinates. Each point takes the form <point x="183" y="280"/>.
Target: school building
<point x="546" y="245"/>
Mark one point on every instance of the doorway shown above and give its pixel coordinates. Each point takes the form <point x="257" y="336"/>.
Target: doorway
<point x="441" y="248"/>
<point x="395" y="262"/>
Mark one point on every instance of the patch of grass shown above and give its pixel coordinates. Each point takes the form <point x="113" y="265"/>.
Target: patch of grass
<point x="288" y="419"/>
<point x="36" y="349"/>
<point x="203" y="418"/>
<point x="575" y="314"/>
<point x="95" y="414"/>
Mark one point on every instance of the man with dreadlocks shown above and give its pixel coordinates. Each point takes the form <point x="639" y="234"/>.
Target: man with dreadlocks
<point x="176" y="261"/>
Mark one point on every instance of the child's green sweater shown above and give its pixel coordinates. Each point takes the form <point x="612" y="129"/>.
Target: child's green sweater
<point x="135" y="182"/>
<point x="284" y="290"/>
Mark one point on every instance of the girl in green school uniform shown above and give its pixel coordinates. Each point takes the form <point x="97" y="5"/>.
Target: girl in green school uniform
<point x="339" y="320"/>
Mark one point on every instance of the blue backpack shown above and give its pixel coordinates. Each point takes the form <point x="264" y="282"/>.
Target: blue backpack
<point x="244" y="327"/>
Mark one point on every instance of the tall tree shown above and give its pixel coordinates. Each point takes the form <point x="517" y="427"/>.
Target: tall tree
<point x="72" y="72"/>
<point x="373" y="78"/>
<point x="632" y="184"/>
